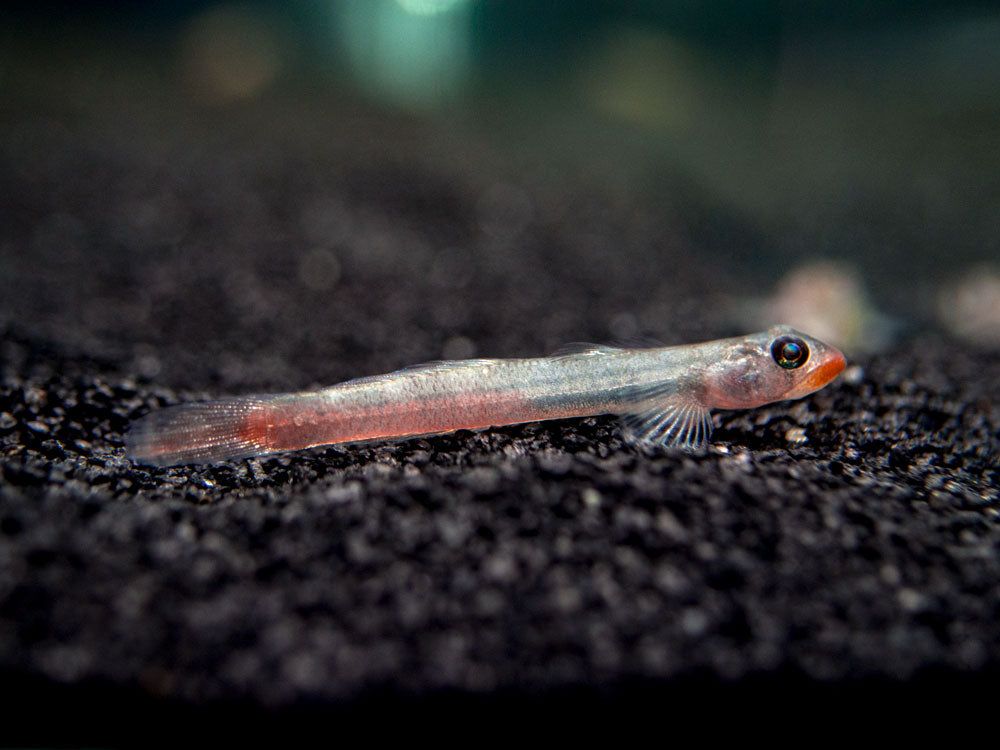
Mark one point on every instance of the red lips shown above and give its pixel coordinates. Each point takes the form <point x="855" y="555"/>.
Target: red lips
<point x="833" y="365"/>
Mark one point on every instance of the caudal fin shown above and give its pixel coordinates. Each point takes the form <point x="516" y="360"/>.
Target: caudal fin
<point x="200" y="433"/>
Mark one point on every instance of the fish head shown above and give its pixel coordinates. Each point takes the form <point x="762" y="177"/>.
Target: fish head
<point x="780" y="363"/>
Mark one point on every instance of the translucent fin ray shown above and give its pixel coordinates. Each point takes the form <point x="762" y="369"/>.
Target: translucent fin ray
<point x="584" y="349"/>
<point x="200" y="432"/>
<point x="441" y="365"/>
<point x="675" y="423"/>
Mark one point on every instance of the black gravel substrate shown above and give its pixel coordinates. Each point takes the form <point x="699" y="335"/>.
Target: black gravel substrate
<point x="152" y="254"/>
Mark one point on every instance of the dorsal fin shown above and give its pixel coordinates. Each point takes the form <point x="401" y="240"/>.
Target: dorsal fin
<point x="440" y="365"/>
<point x="638" y="342"/>
<point x="583" y="349"/>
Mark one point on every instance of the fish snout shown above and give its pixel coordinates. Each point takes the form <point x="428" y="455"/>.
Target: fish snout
<point x="831" y="364"/>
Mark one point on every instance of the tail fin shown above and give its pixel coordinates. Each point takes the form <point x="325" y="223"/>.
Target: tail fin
<point x="200" y="433"/>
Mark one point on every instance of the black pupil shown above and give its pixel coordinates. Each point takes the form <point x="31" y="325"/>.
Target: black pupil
<point x="790" y="352"/>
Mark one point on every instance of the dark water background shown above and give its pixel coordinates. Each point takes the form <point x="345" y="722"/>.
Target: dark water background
<point x="770" y="133"/>
<point x="200" y="199"/>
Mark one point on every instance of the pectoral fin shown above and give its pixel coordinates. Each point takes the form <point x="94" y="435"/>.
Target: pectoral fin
<point x="673" y="422"/>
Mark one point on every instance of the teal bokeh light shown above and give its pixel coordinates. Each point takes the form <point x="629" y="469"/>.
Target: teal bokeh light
<point x="429" y="7"/>
<point x="414" y="54"/>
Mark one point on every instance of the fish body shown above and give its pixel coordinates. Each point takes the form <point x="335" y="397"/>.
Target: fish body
<point x="664" y="395"/>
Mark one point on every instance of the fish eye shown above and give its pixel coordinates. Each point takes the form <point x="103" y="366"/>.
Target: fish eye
<point x="790" y="352"/>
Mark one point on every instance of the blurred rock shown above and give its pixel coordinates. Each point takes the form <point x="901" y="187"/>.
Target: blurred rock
<point x="229" y="53"/>
<point x="970" y="307"/>
<point x="828" y="301"/>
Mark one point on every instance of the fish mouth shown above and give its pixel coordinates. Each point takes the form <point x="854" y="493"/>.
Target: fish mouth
<point x="833" y="364"/>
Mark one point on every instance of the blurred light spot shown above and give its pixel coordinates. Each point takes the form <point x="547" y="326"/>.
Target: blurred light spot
<point x="319" y="270"/>
<point x="591" y="498"/>
<point x="413" y="54"/>
<point x="458" y="347"/>
<point x="624" y="326"/>
<point x="429" y="7"/>
<point x="694" y="622"/>
<point x="146" y="362"/>
<point x="796" y="436"/>
<point x="504" y="211"/>
<point x="248" y="296"/>
<point x="853" y="375"/>
<point x="326" y="221"/>
<point x="645" y="77"/>
<point x="229" y="53"/>
<point x="970" y="308"/>
<point x="150" y="221"/>
<point x="828" y="301"/>
<point x="450" y="268"/>
<point x="911" y="600"/>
